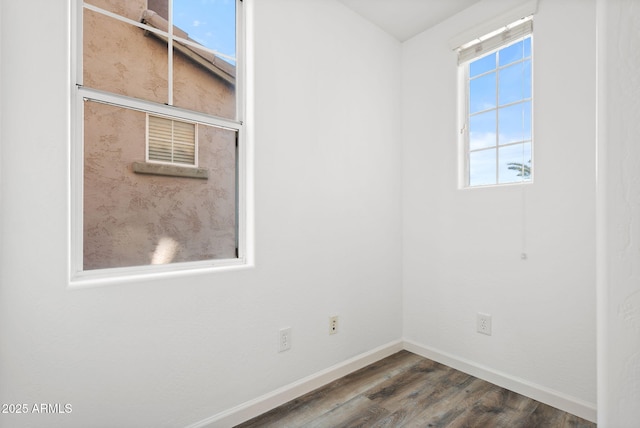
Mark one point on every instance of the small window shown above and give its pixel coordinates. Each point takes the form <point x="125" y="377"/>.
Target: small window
<point x="171" y="141"/>
<point x="497" y="124"/>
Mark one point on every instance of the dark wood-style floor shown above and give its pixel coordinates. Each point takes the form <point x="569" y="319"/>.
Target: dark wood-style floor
<point x="406" y="390"/>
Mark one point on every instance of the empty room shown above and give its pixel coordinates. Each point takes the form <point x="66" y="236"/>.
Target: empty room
<point x="211" y="209"/>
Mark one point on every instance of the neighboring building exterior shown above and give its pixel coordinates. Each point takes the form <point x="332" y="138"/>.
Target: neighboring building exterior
<point x="138" y="212"/>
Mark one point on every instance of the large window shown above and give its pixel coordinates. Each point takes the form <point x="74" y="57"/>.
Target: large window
<point x="157" y="158"/>
<point x="497" y="127"/>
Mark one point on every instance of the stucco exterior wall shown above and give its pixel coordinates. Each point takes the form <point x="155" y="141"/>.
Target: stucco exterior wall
<point x="134" y="219"/>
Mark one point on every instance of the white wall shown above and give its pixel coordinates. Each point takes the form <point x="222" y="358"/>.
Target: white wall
<point x="328" y="214"/>
<point x="619" y="214"/>
<point x="462" y="247"/>
<point x="175" y="351"/>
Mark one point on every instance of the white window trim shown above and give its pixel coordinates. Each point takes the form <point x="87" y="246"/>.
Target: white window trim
<point x="78" y="94"/>
<point x="463" y="99"/>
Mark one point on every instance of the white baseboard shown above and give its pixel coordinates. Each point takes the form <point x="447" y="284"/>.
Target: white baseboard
<point x="260" y="405"/>
<point x="264" y="403"/>
<point x="529" y="389"/>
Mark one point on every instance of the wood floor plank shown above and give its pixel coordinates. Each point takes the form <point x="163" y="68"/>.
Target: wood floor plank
<point x="407" y="401"/>
<point x="429" y="393"/>
<point x="322" y="400"/>
<point x="409" y="383"/>
<point x="406" y="390"/>
<point x="357" y="412"/>
<point x="549" y="416"/>
<point x="497" y="407"/>
<point x="450" y="406"/>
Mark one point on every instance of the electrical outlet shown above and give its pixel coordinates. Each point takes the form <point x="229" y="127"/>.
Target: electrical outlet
<point x="484" y="324"/>
<point x="333" y="324"/>
<point x="284" y="343"/>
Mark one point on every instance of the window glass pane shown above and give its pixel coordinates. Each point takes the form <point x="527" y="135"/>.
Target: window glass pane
<point x="526" y="81"/>
<point x="527" y="47"/>
<point x="511" y="53"/>
<point x="161" y="7"/>
<point x="482" y="130"/>
<point x="210" y="23"/>
<point x="128" y="9"/>
<point x="482" y="65"/>
<point x="482" y="93"/>
<point x="120" y="58"/>
<point x="203" y="82"/>
<point x="135" y="219"/>
<point x="514" y="163"/>
<point x="482" y="167"/>
<point x="515" y="123"/>
<point x="515" y="82"/>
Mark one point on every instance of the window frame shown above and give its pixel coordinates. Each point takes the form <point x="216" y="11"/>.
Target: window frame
<point x="464" y="98"/>
<point x="79" y="94"/>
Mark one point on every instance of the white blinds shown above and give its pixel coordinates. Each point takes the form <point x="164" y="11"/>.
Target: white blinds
<point x="495" y="39"/>
<point x="184" y="142"/>
<point x="171" y="141"/>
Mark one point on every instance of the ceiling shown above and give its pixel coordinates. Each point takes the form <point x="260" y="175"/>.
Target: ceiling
<point x="404" y="19"/>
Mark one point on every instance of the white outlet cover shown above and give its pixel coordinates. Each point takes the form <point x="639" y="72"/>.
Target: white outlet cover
<point x="484" y="323"/>
<point x="284" y="339"/>
<point x="333" y="324"/>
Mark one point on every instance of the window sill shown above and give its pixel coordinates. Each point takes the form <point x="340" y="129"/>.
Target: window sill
<point x="111" y="276"/>
<point x="170" y="170"/>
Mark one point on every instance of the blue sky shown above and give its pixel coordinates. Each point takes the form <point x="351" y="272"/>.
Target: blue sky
<point x="500" y="114"/>
<point x="209" y="22"/>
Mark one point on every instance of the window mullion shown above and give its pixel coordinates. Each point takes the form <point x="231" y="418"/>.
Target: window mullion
<point x="161" y="109"/>
<point x="467" y="138"/>
<point x="124" y="19"/>
<point x="497" y="117"/>
<point x="170" y="55"/>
